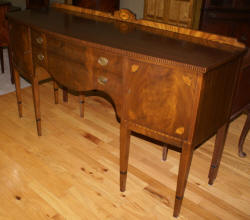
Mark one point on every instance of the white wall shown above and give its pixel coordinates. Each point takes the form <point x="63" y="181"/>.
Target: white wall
<point x="19" y="3"/>
<point x="136" y="6"/>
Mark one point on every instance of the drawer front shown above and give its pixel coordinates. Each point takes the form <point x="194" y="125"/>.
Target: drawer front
<point x="66" y="49"/>
<point x="159" y="98"/>
<point x="68" y="63"/>
<point x="111" y="84"/>
<point x="107" y="62"/>
<point x="70" y="74"/>
<point x="39" y="56"/>
<point x="38" y="39"/>
<point x="21" y="49"/>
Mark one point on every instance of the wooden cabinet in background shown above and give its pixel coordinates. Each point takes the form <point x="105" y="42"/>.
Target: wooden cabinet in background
<point x="183" y="13"/>
<point x="37" y="4"/>
<point x="102" y="5"/>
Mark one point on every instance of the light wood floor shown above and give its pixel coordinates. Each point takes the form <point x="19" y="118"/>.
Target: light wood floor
<point x="72" y="171"/>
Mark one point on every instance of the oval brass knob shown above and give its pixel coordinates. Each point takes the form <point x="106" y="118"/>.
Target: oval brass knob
<point x="103" y="61"/>
<point x="40" y="57"/>
<point x="39" y="40"/>
<point x="102" y="80"/>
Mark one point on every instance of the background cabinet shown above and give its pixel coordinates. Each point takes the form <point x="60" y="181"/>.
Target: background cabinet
<point x="102" y="5"/>
<point x="183" y="13"/>
<point x="37" y="3"/>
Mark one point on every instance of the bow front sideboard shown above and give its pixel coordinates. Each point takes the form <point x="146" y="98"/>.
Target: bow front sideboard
<point x="172" y="84"/>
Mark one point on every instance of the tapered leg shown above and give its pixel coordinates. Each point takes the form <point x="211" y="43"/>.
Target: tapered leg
<point x="82" y="100"/>
<point x="164" y="152"/>
<point x="243" y="135"/>
<point x="2" y="60"/>
<point x="218" y="150"/>
<point x="56" y="87"/>
<point x="18" y="92"/>
<point x="184" y="167"/>
<point x="11" y="66"/>
<point x="36" y="100"/>
<point x="124" y="154"/>
<point x="65" y="94"/>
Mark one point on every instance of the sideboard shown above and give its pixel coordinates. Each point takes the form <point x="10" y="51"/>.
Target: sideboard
<point x="172" y="84"/>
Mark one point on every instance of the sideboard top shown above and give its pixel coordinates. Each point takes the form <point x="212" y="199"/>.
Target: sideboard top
<point x="130" y="37"/>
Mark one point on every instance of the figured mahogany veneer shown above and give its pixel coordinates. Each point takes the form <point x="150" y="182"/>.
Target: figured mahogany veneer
<point x="171" y="84"/>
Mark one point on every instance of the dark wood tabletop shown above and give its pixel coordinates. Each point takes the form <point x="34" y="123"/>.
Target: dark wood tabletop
<point x="146" y="41"/>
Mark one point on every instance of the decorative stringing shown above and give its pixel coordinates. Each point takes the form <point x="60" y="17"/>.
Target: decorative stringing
<point x="153" y="131"/>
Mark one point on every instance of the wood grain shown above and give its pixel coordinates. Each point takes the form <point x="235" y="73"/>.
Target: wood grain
<point x="161" y="26"/>
<point x="178" y="105"/>
<point x="72" y="171"/>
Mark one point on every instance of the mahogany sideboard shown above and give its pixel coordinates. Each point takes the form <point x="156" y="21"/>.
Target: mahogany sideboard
<point x="169" y="83"/>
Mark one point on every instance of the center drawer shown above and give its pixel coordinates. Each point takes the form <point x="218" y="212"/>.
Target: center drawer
<point x="69" y="50"/>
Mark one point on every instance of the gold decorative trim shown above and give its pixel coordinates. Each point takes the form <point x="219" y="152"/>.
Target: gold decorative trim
<point x="180" y="130"/>
<point x="125" y="15"/>
<point x="187" y="80"/>
<point x="134" y="68"/>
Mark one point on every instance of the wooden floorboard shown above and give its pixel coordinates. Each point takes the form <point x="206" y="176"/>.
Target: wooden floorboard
<point x="72" y="171"/>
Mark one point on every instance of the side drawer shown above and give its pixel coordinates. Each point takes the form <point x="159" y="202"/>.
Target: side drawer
<point x="109" y="83"/>
<point x="106" y="61"/>
<point x="39" y="57"/>
<point x="38" y="39"/>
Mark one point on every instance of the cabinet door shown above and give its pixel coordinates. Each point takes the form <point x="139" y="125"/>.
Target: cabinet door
<point x="176" y="12"/>
<point x="180" y="12"/>
<point x="154" y="10"/>
<point x="159" y="98"/>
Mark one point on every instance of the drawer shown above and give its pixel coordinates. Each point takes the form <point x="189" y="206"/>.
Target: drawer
<point x="66" y="49"/>
<point x="107" y="62"/>
<point x="107" y="81"/>
<point x="73" y="75"/>
<point x="111" y="84"/>
<point x="39" y="56"/>
<point x="38" y="39"/>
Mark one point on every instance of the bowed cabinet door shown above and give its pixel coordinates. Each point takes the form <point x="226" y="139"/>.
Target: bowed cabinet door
<point x="21" y="49"/>
<point x="160" y="98"/>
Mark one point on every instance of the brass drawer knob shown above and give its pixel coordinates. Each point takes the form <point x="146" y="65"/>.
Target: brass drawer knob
<point x="40" y="57"/>
<point x="39" y="40"/>
<point x="102" y="80"/>
<point x="103" y="61"/>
